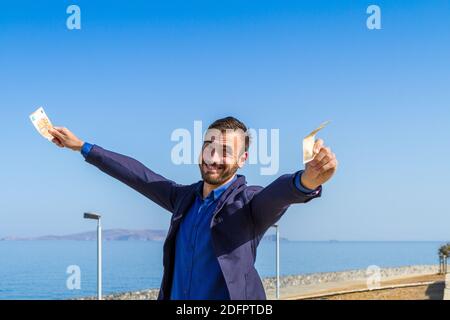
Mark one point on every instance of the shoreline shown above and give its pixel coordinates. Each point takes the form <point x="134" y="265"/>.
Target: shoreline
<point x="304" y="284"/>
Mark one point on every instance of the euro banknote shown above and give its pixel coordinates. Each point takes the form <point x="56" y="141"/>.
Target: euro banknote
<point x="308" y="143"/>
<point x="42" y="123"/>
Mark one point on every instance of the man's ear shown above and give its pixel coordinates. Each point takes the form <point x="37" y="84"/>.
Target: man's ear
<point x="242" y="159"/>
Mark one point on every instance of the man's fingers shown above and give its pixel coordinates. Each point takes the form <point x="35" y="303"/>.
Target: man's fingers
<point x="318" y="145"/>
<point x="325" y="156"/>
<point x="61" y="130"/>
<point x="332" y="164"/>
<point x="322" y="157"/>
<point x="56" y="134"/>
<point x="64" y="130"/>
<point x="57" y="142"/>
<point x="322" y="154"/>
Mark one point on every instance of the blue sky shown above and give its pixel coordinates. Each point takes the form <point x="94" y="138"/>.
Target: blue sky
<point x="138" y="70"/>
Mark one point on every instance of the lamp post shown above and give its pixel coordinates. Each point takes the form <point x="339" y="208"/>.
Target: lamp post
<point x="94" y="216"/>
<point x="277" y="258"/>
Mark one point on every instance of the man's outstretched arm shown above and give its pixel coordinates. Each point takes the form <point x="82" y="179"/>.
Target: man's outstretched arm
<point x="269" y="204"/>
<point x="125" y="169"/>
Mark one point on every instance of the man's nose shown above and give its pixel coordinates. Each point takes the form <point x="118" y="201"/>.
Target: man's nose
<point x="213" y="157"/>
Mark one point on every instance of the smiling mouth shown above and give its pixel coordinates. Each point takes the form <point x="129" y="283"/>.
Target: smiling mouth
<point x="212" y="167"/>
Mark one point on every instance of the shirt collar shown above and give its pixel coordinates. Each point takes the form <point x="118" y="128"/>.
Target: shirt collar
<point x="216" y="193"/>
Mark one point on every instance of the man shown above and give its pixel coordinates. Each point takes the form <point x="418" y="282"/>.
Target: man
<point x="216" y="223"/>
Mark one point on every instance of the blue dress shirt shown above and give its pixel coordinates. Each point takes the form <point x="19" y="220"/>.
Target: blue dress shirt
<point x="86" y="149"/>
<point x="197" y="274"/>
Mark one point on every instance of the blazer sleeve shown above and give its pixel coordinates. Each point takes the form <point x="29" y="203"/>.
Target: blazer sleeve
<point x="270" y="203"/>
<point x="131" y="172"/>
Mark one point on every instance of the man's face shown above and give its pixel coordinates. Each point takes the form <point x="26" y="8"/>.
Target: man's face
<point x="223" y="153"/>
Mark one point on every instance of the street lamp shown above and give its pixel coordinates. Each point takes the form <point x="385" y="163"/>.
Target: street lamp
<point x="277" y="257"/>
<point x="94" y="216"/>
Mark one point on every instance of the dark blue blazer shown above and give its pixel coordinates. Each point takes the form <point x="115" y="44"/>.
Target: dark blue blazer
<point x="243" y="215"/>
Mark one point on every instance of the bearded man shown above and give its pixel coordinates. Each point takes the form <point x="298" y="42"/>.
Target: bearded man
<point x="218" y="222"/>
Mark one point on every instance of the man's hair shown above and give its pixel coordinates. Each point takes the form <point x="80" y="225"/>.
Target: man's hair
<point x="231" y="123"/>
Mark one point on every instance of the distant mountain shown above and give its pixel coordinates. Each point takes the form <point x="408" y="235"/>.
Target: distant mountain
<point x="108" y="235"/>
<point x="113" y="235"/>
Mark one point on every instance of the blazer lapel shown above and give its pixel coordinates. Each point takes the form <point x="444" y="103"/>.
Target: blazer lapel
<point x="233" y="188"/>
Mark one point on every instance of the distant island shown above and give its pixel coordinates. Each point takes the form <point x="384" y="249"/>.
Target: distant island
<point x="108" y="235"/>
<point x="112" y="235"/>
<point x="274" y="238"/>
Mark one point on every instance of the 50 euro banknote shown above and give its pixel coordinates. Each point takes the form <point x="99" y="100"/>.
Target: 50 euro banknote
<point x="42" y="123"/>
<point x="308" y="143"/>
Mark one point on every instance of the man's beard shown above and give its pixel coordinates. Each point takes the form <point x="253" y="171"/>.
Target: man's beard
<point x="224" y="172"/>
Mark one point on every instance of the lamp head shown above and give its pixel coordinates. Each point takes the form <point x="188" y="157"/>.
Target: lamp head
<point x="93" y="216"/>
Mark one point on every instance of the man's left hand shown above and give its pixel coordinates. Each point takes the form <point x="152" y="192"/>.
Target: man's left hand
<point x="321" y="168"/>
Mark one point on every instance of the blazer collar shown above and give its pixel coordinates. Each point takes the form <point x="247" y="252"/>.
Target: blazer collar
<point x="216" y="193"/>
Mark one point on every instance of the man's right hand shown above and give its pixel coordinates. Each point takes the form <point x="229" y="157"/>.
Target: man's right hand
<point x="64" y="138"/>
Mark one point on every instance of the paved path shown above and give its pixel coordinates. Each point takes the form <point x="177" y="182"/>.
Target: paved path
<point x="433" y="287"/>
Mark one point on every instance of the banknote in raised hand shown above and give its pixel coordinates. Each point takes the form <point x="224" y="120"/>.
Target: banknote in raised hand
<point x="308" y="144"/>
<point x="42" y="123"/>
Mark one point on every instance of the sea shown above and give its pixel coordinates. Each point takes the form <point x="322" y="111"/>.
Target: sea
<point x="60" y="269"/>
